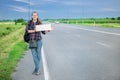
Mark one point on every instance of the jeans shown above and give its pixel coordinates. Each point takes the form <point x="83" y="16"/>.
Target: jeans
<point x="36" y="53"/>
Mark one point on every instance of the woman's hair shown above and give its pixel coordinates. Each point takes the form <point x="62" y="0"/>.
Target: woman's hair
<point x="38" y="20"/>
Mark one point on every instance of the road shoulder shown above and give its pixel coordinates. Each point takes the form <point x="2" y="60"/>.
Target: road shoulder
<point x="25" y="68"/>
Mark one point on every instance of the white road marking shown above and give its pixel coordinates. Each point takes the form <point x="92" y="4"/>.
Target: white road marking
<point x="45" y="68"/>
<point x="103" y="44"/>
<point x="105" y="32"/>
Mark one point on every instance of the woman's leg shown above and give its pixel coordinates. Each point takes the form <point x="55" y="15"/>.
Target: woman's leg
<point x="35" y="58"/>
<point x="39" y="46"/>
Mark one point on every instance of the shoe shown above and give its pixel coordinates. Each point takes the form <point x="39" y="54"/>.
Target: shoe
<point x="34" y="72"/>
<point x="37" y="73"/>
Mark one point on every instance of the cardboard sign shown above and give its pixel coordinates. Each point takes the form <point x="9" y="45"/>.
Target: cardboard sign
<point x="43" y="27"/>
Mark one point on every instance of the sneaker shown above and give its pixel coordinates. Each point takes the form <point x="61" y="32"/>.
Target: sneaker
<point x="34" y="72"/>
<point x="37" y="73"/>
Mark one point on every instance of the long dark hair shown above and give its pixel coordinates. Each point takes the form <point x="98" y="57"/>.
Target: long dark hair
<point x="38" y="20"/>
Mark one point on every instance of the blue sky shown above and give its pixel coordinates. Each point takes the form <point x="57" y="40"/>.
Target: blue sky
<point x="13" y="9"/>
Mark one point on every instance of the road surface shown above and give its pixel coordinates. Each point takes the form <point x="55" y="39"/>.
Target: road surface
<point x="72" y="52"/>
<point x="82" y="53"/>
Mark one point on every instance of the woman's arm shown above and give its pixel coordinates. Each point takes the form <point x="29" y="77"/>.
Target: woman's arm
<point x="27" y="28"/>
<point x="31" y="31"/>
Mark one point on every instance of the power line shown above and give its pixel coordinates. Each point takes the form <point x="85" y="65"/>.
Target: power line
<point x="29" y="10"/>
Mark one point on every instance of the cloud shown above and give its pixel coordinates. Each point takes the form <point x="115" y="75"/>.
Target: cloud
<point x="25" y="1"/>
<point x="108" y="10"/>
<point x="51" y="0"/>
<point x="41" y="11"/>
<point x="70" y="3"/>
<point x="19" y="9"/>
<point x="22" y="9"/>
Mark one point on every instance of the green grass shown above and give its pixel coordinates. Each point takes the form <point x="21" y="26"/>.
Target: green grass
<point x="98" y="22"/>
<point x="9" y="64"/>
<point x="12" y="48"/>
<point x="5" y="29"/>
<point x="109" y="25"/>
<point x="106" y="25"/>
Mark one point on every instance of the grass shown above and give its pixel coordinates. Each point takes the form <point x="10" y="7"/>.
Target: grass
<point x="109" y="25"/>
<point x="12" y="48"/>
<point x="98" y="22"/>
<point x="5" y="29"/>
<point x="9" y="64"/>
<point x="106" y="25"/>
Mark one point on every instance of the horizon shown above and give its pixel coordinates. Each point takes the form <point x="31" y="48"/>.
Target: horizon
<point x="62" y="18"/>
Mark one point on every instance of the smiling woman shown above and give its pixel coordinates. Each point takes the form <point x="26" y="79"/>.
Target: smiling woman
<point x="35" y="41"/>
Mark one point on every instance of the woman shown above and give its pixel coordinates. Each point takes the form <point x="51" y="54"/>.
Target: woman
<point x="36" y="51"/>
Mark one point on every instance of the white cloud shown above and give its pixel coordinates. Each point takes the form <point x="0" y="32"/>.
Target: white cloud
<point x="108" y="10"/>
<point x="68" y="2"/>
<point x="51" y="0"/>
<point x="25" y="1"/>
<point x="22" y="9"/>
<point x="19" y="9"/>
<point x="75" y="3"/>
<point x="41" y="11"/>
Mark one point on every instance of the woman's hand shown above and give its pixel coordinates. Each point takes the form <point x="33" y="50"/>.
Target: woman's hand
<point x="47" y="31"/>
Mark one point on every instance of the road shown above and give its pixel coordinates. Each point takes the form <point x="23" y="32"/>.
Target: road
<point x="82" y="53"/>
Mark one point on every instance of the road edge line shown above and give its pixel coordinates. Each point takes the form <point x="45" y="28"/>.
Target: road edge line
<point x="98" y="31"/>
<point x="45" y="68"/>
<point x="103" y="44"/>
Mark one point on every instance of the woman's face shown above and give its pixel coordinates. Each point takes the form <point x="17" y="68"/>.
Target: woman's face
<point x="34" y="16"/>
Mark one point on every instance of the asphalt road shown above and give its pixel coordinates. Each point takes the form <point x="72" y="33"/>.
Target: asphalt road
<point x="82" y="53"/>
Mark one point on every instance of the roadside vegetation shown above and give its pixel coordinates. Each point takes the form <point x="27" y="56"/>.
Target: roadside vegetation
<point x="98" y="22"/>
<point x="12" y="47"/>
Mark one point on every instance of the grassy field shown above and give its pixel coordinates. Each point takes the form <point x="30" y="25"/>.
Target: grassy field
<point x="99" y="22"/>
<point x="12" y="48"/>
<point x="5" y="29"/>
<point x="107" y="25"/>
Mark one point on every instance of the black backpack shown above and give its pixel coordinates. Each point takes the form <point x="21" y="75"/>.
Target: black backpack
<point x="26" y="34"/>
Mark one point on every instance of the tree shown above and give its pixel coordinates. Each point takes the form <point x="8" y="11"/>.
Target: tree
<point x="118" y="18"/>
<point x="107" y="18"/>
<point x="112" y="18"/>
<point x="21" y="20"/>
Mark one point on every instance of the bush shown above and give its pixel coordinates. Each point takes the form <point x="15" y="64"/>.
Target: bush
<point x="24" y="23"/>
<point x="21" y="20"/>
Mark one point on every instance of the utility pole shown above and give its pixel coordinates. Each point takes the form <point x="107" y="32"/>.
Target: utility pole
<point x="29" y="10"/>
<point x="83" y="15"/>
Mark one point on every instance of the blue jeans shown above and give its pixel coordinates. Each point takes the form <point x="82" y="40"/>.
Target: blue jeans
<point x="36" y="53"/>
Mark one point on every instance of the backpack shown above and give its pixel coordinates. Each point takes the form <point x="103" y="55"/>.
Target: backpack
<point x="26" y="34"/>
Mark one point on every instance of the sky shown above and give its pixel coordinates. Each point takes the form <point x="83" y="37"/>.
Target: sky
<point x="54" y="9"/>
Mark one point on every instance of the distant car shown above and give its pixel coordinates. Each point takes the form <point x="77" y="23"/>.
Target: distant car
<point x="57" y="22"/>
